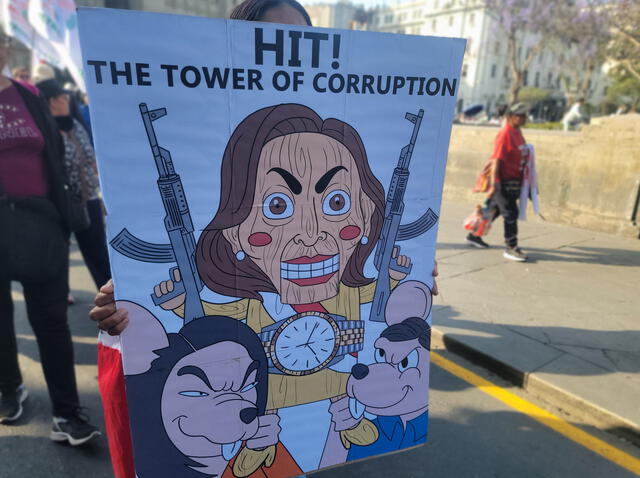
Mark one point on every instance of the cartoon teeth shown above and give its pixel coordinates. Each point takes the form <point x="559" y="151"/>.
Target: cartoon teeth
<point x="308" y="270"/>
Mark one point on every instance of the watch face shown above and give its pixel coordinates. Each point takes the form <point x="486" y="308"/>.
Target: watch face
<point x="305" y="343"/>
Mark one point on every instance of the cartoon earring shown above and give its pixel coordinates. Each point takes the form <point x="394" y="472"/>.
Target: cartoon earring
<point x="364" y="240"/>
<point x="240" y="255"/>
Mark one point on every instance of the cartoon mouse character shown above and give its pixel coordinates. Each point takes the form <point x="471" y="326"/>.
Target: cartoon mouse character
<point x="200" y="398"/>
<point x="395" y="387"/>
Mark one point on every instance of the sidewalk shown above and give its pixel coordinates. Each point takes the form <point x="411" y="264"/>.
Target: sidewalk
<point x="564" y="325"/>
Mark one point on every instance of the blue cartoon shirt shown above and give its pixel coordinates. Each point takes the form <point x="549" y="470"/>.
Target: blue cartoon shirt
<point x="392" y="436"/>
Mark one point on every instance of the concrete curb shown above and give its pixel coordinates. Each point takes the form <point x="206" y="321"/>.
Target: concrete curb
<point x="584" y="410"/>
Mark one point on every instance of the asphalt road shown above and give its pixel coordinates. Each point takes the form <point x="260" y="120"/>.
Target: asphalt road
<point x="470" y="433"/>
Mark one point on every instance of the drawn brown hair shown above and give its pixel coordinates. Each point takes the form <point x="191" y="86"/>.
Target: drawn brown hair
<point x="217" y="264"/>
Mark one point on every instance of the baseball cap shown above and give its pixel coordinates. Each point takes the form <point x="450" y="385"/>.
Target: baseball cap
<point x="518" y="109"/>
<point x="50" y="88"/>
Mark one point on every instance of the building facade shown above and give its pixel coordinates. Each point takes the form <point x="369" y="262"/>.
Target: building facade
<point x="204" y="8"/>
<point x="486" y="72"/>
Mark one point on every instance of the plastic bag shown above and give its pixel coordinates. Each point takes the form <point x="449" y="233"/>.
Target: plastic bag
<point x="479" y="221"/>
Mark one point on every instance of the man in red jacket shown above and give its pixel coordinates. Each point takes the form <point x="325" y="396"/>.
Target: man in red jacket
<point x="510" y="154"/>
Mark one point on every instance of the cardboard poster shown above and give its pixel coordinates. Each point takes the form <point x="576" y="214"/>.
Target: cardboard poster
<point x="273" y="196"/>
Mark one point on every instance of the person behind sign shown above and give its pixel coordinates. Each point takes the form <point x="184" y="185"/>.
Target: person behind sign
<point x="80" y="164"/>
<point x="34" y="248"/>
<point x="510" y="153"/>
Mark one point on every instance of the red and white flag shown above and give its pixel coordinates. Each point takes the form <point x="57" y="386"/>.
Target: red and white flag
<point x="114" y="402"/>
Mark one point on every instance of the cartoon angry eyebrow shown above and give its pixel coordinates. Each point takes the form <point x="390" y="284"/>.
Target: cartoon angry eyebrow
<point x="292" y="182"/>
<point x="196" y="371"/>
<point x="202" y="375"/>
<point x="324" y="181"/>
<point x="296" y="187"/>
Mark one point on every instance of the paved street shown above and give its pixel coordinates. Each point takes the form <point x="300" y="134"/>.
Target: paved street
<point x="471" y="434"/>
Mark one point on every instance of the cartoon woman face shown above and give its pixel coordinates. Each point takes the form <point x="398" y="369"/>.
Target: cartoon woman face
<point x="215" y="385"/>
<point x="309" y="215"/>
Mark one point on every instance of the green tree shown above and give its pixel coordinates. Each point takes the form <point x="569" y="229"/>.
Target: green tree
<point x="625" y="89"/>
<point x="533" y="95"/>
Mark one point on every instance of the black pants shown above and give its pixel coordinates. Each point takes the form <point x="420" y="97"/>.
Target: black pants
<point x="47" y="311"/>
<point x="505" y="202"/>
<point x="93" y="245"/>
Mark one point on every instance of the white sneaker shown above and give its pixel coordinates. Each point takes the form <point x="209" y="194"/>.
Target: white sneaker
<point x="514" y="254"/>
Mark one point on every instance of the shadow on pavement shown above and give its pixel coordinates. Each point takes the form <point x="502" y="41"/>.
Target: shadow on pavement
<point x="579" y="254"/>
<point x="619" y="349"/>
<point x="586" y="255"/>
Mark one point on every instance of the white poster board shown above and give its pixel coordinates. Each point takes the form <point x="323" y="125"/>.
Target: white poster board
<point x="291" y="162"/>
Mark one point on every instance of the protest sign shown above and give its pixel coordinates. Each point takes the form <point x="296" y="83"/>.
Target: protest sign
<point x="273" y="195"/>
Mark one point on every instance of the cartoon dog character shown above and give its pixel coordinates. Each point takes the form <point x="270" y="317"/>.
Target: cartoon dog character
<point x="395" y="387"/>
<point x="200" y="397"/>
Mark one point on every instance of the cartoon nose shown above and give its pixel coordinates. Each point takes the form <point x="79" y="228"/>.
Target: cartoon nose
<point x="359" y="371"/>
<point x="247" y="415"/>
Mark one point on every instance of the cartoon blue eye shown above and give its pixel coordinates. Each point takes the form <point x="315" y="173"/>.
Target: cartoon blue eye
<point x="277" y="206"/>
<point x="380" y="356"/>
<point x="410" y="361"/>
<point x="246" y="388"/>
<point x="193" y="393"/>
<point x="337" y="202"/>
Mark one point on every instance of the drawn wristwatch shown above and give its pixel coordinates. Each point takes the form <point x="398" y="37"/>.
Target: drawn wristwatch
<point x="308" y="342"/>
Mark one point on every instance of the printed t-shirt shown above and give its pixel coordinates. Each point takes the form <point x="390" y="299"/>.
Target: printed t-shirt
<point x="508" y="149"/>
<point x="21" y="148"/>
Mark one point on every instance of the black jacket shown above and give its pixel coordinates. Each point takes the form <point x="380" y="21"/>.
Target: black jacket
<point x="53" y="152"/>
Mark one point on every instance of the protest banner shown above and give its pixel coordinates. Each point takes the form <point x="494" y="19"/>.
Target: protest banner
<point x="49" y="28"/>
<point x="273" y="194"/>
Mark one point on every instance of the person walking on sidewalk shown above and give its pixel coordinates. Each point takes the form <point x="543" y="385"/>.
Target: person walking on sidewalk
<point x="34" y="250"/>
<point x="510" y="154"/>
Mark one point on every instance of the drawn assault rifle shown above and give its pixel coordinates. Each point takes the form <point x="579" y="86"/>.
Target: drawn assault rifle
<point x="392" y="231"/>
<point x="178" y="224"/>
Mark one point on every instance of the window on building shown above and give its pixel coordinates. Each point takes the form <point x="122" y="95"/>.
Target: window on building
<point x="558" y="82"/>
<point x="434" y="24"/>
<point x="505" y="72"/>
<point x="388" y="18"/>
<point x="464" y="70"/>
<point x="400" y="30"/>
<point x="472" y="19"/>
<point x="417" y="13"/>
<point x="435" y="5"/>
<point x="540" y="56"/>
<point x="494" y="67"/>
<point x="519" y="52"/>
<point x="496" y="48"/>
<point x="549" y="79"/>
<point x="525" y="78"/>
<point x="451" y="21"/>
<point x="536" y="82"/>
<point x="605" y="90"/>
<point x="528" y="52"/>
